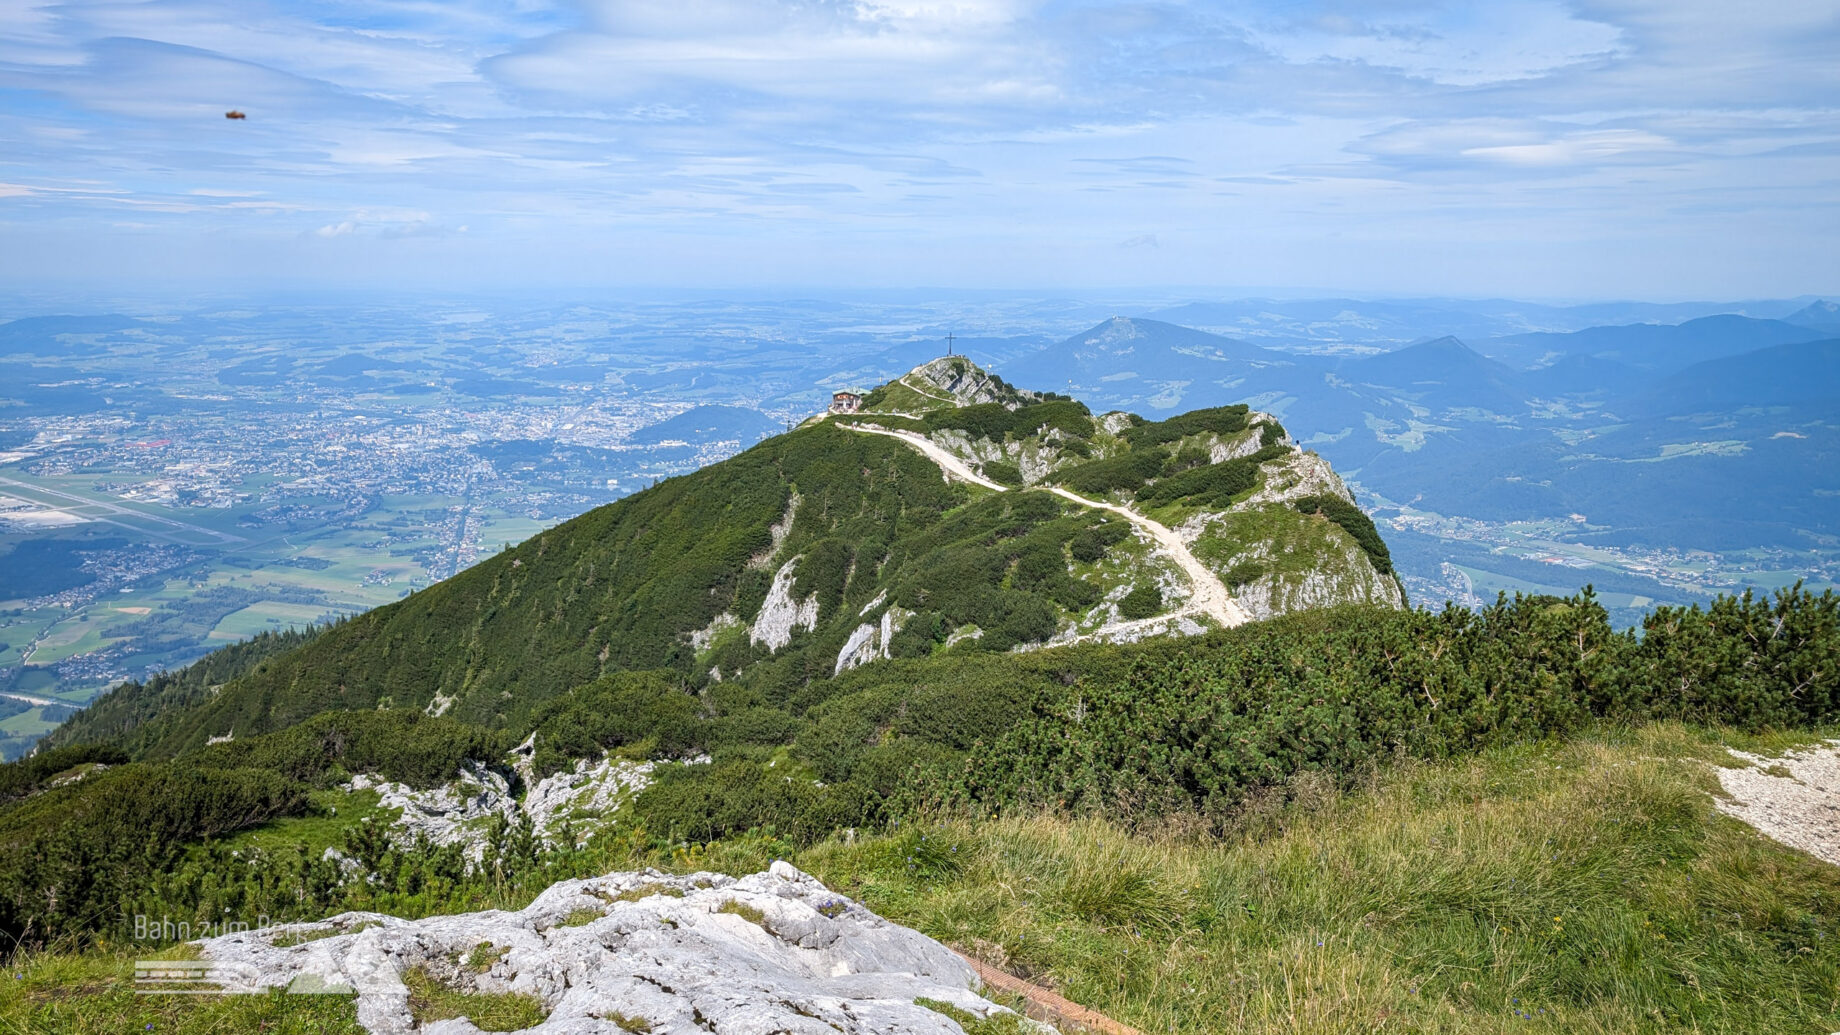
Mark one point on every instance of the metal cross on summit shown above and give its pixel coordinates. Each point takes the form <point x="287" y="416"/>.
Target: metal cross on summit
<point x="950" y="338"/>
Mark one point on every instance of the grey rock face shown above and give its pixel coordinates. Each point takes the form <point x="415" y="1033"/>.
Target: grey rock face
<point x="772" y="952"/>
<point x="780" y="614"/>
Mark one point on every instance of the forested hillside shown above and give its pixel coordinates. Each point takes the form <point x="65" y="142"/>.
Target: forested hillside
<point x="819" y="550"/>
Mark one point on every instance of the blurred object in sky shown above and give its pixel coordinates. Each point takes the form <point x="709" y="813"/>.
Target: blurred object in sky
<point x="234" y="114"/>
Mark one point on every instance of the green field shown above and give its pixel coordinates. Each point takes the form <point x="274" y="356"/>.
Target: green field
<point x="234" y="580"/>
<point x="26" y="723"/>
<point x="267" y="616"/>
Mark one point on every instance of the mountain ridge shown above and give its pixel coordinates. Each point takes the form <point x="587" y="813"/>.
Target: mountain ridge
<point x="826" y="548"/>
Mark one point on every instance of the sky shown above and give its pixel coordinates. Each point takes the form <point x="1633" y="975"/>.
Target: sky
<point x="1656" y="149"/>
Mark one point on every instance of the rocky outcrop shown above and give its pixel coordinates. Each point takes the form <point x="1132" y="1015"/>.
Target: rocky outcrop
<point x="1294" y="477"/>
<point x="772" y="952"/>
<point x="463" y="811"/>
<point x="965" y="383"/>
<point x="869" y="641"/>
<point x="702" y="638"/>
<point x="1279" y="565"/>
<point x="460" y="812"/>
<point x="582" y="796"/>
<point x="780" y="614"/>
<point x="1347" y="578"/>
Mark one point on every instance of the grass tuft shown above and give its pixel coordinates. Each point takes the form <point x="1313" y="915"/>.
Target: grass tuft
<point x="744" y="911"/>
<point x="995" y="1024"/>
<point x="287" y="939"/>
<point x="626" y="1022"/>
<point x="581" y="917"/>
<point x="643" y="891"/>
<point x="482" y="956"/>
<point x="431" y="999"/>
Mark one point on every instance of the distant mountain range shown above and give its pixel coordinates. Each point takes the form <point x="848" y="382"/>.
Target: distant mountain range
<point x="1332" y="324"/>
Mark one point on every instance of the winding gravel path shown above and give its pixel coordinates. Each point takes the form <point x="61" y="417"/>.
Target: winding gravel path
<point x="1209" y="595"/>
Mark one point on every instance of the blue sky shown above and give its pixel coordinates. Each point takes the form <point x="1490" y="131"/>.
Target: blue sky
<point x="1629" y="148"/>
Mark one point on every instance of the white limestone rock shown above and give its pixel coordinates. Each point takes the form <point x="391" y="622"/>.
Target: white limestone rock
<point x="966" y="383"/>
<point x="780" y="614"/>
<point x="1353" y="581"/>
<point x="869" y="641"/>
<point x="1294" y="477"/>
<point x="583" y="796"/>
<point x="816" y="962"/>
<point x="461" y="812"/>
<point x="455" y="813"/>
<point x="701" y="639"/>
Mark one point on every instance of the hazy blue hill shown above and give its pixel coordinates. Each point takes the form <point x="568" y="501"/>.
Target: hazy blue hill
<point x="1653" y="346"/>
<point x="1327" y="322"/>
<point x="352" y="364"/>
<point x="1725" y="482"/>
<point x="39" y="334"/>
<point x="1798" y="375"/>
<point x="703" y="424"/>
<point x="1585" y="376"/>
<point x="1126" y="361"/>
<point x="36" y="391"/>
<point x="1331" y="321"/>
<point x="1822" y="316"/>
<point x="1446" y="371"/>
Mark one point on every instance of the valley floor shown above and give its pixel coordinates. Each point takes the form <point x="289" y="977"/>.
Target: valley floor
<point x="1583" y="886"/>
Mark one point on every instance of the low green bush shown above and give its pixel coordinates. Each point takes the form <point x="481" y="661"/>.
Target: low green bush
<point x="1127" y="472"/>
<point x="1003" y="472"/>
<point x="1144" y="601"/>
<point x="1220" y="420"/>
<point x="1356" y="523"/>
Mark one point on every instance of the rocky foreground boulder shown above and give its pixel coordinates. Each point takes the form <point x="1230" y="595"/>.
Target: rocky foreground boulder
<point x="771" y="952"/>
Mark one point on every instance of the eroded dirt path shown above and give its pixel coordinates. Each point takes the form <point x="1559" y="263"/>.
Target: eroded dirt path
<point x="1208" y="594"/>
<point x="951" y="465"/>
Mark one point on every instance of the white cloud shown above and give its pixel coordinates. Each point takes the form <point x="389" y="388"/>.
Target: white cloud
<point x="1465" y="44"/>
<point x="1584" y="147"/>
<point x="903" y="53"/>
<point x="1512" y="142"/>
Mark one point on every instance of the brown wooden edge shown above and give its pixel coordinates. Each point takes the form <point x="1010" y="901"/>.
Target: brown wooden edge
<point x="1043" y="1005"/>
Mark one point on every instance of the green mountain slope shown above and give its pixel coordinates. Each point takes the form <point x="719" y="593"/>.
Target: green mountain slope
<point x="833" y="546"/>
